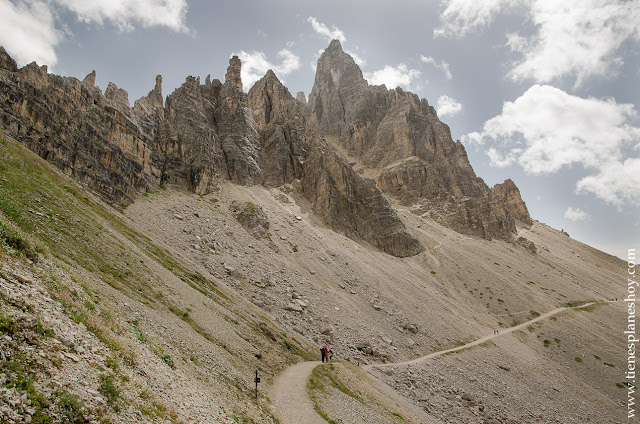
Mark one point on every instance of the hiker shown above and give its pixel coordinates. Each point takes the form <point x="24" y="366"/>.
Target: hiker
<point x="322" y="352"/>
<point x="325" y="354"/>
<point x="330" y="354"/>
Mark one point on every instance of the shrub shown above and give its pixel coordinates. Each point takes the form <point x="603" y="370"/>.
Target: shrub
<point x="16" y="241"/>
<point x="108" y="388"/>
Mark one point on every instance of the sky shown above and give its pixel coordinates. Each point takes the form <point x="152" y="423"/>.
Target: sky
<point x="544" y="92"/>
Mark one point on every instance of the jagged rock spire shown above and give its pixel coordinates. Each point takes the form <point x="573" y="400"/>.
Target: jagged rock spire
<point x="233" y="77"/>
<point x="90" y="79"/>
<point x="6" y="61"/>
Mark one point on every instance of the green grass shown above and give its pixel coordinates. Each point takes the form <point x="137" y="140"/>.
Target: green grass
<point x="71" y="406"/>
<point x="398" y="416"/>
<point x="7" y="324"/>
<point x="314" y="384"/>
<point x="109" y="389"/>
<point x="169" y="361"/>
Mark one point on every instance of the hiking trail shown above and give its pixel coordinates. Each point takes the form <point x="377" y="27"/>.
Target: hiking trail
<point x="289" y="392"/>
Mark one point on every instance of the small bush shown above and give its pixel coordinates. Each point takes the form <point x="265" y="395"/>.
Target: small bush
<point x="108" y="388"/>
<point x="167" y="359"/>
<point x="17" y="242"/>
<point x="71" y="406"/>
<point x="44" y="331"/>
<point x="534" y="313"/>
<point x="578" y="359"/>
<point x="7" y="324"/>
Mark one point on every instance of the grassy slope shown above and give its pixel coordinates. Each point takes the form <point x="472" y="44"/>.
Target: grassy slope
<point x="114" y="261"/>
<point x="477" y="285"/>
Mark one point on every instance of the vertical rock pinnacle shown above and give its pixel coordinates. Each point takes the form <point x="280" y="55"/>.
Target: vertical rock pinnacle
<point x="155" y="95"/>
<point x="233" y="77"/>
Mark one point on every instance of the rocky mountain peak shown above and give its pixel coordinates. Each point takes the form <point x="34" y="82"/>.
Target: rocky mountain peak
<point x="118" y="97"/>
<point x="90" y="79"/>
<point x="271" y="101"/>
<point x="233" y="78"/>
<point x="338" y="85"/>
<point x="509" y="194"/>
<point x="155" y="95"/>
<point x="206" y="133"/>
<point x="6" y="61"/>
<point x="400" y="138"/>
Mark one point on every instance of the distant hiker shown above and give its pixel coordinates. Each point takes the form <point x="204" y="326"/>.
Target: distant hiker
<point x="325" y="354"/>
<point x="322" y="352"/>
<point x="330" y="354"/>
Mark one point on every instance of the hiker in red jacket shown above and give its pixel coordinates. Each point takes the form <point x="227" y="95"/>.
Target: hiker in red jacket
<point x="325" y="354"/>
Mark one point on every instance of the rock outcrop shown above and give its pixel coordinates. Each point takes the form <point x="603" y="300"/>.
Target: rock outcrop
<point x="400" y="137"/>
<point x="509" y="194"/>
<point x="237" y="130"/>
<point x="204" y="133"/>
<point x="345" y="201"/>
<point x="352" y="204"/>
<point x="282" y="126"/>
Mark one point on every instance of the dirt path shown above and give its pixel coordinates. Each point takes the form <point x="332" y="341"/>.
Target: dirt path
<point x="502" y="332"/>
<point x="289" y="395"/>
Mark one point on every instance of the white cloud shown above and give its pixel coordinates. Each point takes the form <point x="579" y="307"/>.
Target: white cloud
<point x="255" y="65"/>
<point x="124" y="13"/>
<point x="27" y="32"/>
<point x="547" y="129"/>
<point x="329" y="34"/>
<point x="448" y="106"/>
<point x="463" y="16"/>
<point x="576" y="214"/>
<point x="576" y="37"/>
<point x="573" y="37"/>
<point x="443" y="65"/>
<point x="393" y="76"/>
<point x="617" y="183"/>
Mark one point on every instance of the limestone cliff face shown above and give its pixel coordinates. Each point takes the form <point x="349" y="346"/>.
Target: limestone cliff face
<point x="282" y="126"/>
<point x="200" y="134"/>
<point x="400" y="135"/>
<point x="352" y="204"/>
<point x="509" y="194"/>
<point x="204" y="133"/>
<point x="187" y="142"/>
<point x="239" y="135"/>
<point x="78" y="129"/>
<point x="344" y="200"/>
